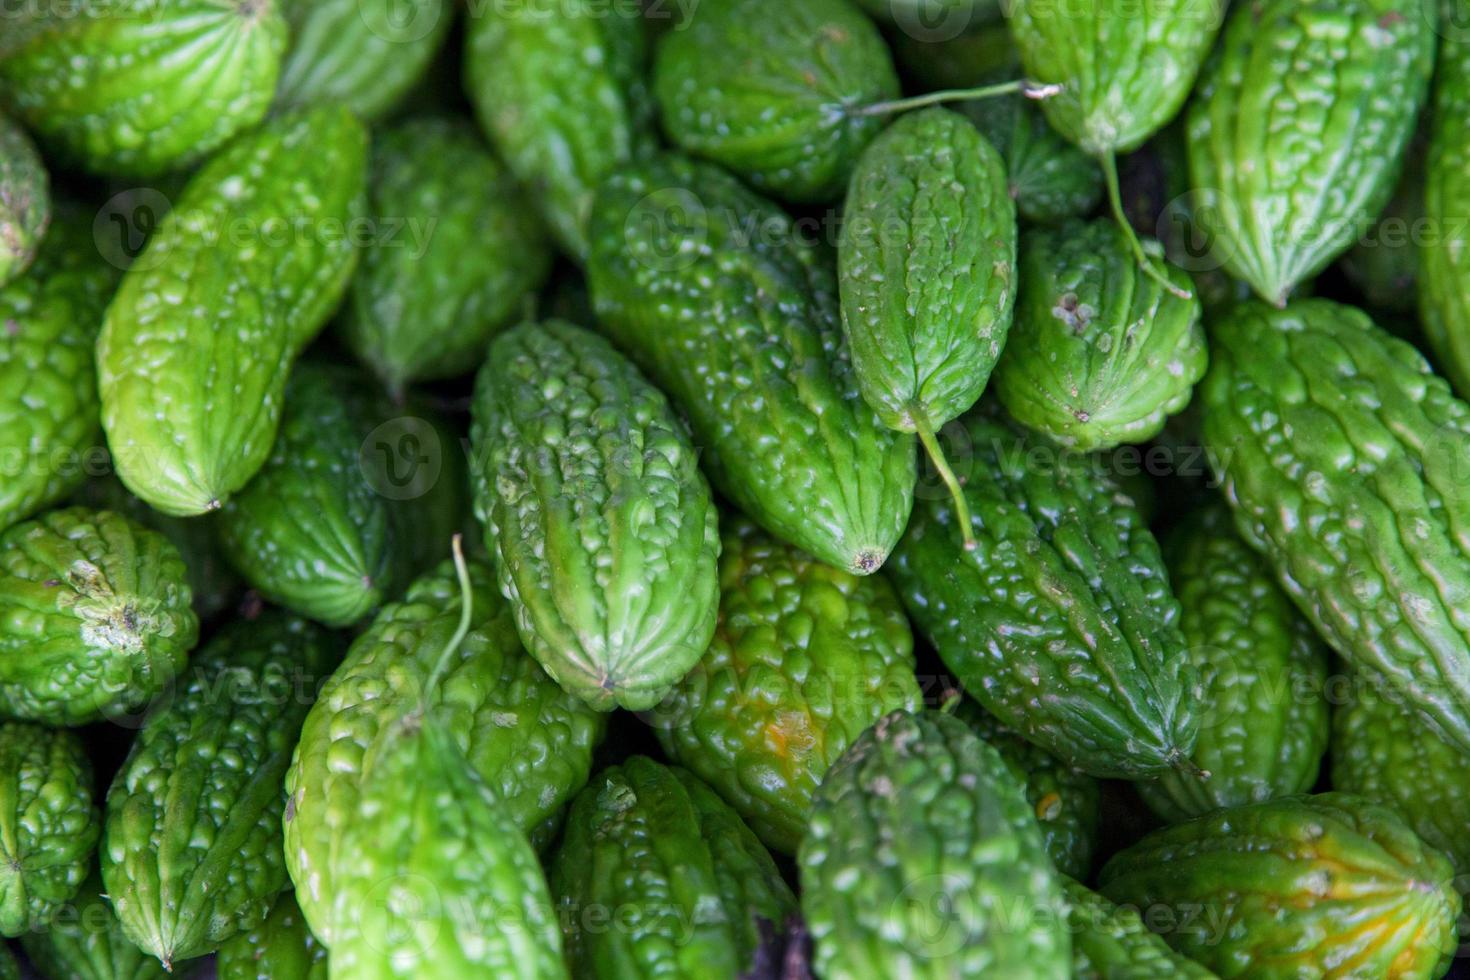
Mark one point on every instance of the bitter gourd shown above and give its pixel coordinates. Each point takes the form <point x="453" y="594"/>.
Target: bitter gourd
<point x="1263" y="718"/>
<point x="921" y="848"/>
<point x="1383" y="265"/>
<point x="804" y="659"/>
<point x="776" y="92"/>
<point x="1444" y="263"/>
<point x="48" y="824"/>
<point x="1100" y="354"/>
<point x="191" y="848"/>
<point x="137" y="88"/>
<point x="237" y="279"/>
<point x="1381" y="750"/>
<point x="314" y="530"/>
<point x="560" y="87"/>
<point x="1110" y="942"/>
<point x="926" y="266"/>
<point x="456" y="257"/>
<point x="691" y="882"/>
<point x="95" y="616"/>
<point x="48" y="378"/>
<point x="280" y="948"/>
<point x="743" y="333"/>
<point x="25" y="200"/>
<point x="529" y="740"/>
<point x="86" y="942"/>
<point x="1307" y="886"/>
<point x="364" y="54"/>
<point x="1060" y="622"/>
<point x="1343" y="455"/>
<point x="604" y="533"/>
<point x="1298" y="129"/>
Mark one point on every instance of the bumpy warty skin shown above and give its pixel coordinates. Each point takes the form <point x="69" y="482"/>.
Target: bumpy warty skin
<point x="714" y="294"/>
<point x="88" y="942"/>
<point x="530" y="741"/>
<point x="1343" y="457"/>
<point x="804" y="659"/>
<point x="1298" y="128"/>
<point x="1444" y="261"/>
<point x="603" y="529"/>
<point x="96" y="616"/>
<point x="139" y="88"/>
<point x="1365" y="894"/>
<point x="926" y="264"/>
<point x="1060" y="622"/>
<point x="1101" y="353"/>
<point x="1111" y="941"/>
<point x="197" y="344"/>
<point x="191" y="851"/>
<point x="921" y="845"/>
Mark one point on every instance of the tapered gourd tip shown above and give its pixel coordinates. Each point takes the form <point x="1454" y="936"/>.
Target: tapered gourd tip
<point x="868" y="560"/>
<point x="1181" y="762"/>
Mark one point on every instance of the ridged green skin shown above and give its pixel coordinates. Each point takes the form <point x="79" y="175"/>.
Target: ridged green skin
<point x="1343" y="457"/>
<point x="137" y="88"/>
<point x="1305" y="886"/>
<point x="604" y="533"/>
<point x="766" y="89"/>
<point x="427" y="300"/>
<point x="1063" y="800"/>
<point x="48" y="378"/>
<point x="560" y="86"/>
<point x="95" y="616"/>
<point x="1100" y="353"/>
<point x="364" y="54"/>
<point x="1444" y="263"/>
<point x="1125" y="69"/>
<point x="921" y="847"/>
<point x="280" y="948"/>
<point x="690" y="881"/>
<point x="191" y="848"/>
<point x="88" y="943"/>
<point x="1049" y="178"/>
<point x="804" y="659"/>
<point x="1264" y="716"/>
<point x="1060" y="622"/>
<point x="1328" y="91"/>
<point x="25" y="200"/>
<point x="743" y="334"/>
<point x="1382" y="750"/>
<point x="1110" y="942"/>
<point x="926" y="268"/>
<point x="312" y="531"/>
<point x="236" y="280"/>
<point x="528" y="739"/>
<point x="48" y="824"/>
<point x="443" y="884"/>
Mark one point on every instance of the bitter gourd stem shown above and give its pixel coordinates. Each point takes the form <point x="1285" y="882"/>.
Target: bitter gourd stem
<point x="1115" y="199"/>
<point x="466" y="608"/>
<point x="1029" y="88"/>
<point x="931" y="446"/>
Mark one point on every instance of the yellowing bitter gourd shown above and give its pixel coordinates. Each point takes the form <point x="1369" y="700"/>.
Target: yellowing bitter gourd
<point x="48" y="824"/>
<point x="804" y="659"/>
<point x="1298" y="128"/>
<point x="191" y="850"/>
<point x="95" y="616"/>
<point x="25" y="200"/>
<point x="137" y="88"/>
<point x="742" y="331"/>
<point x="1304" y="886"/>
<point x="920" y="853"/>
<point x="1344" y="459"/>
<point x="603" y="530"/>
<point x="926" y="265"/>
<point x="1100" y="354"/>
<point x="238" y="278"/>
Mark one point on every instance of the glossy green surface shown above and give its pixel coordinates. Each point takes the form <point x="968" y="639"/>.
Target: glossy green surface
<point x="804" y="659"/>
<point x="742" y="332"/>
<point x="921" y="845"/>
<point x="1444" y="274"/>
<point x="604" y="533"/>
<point x="237" y="279"/>
<point x="280" y="948"/>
